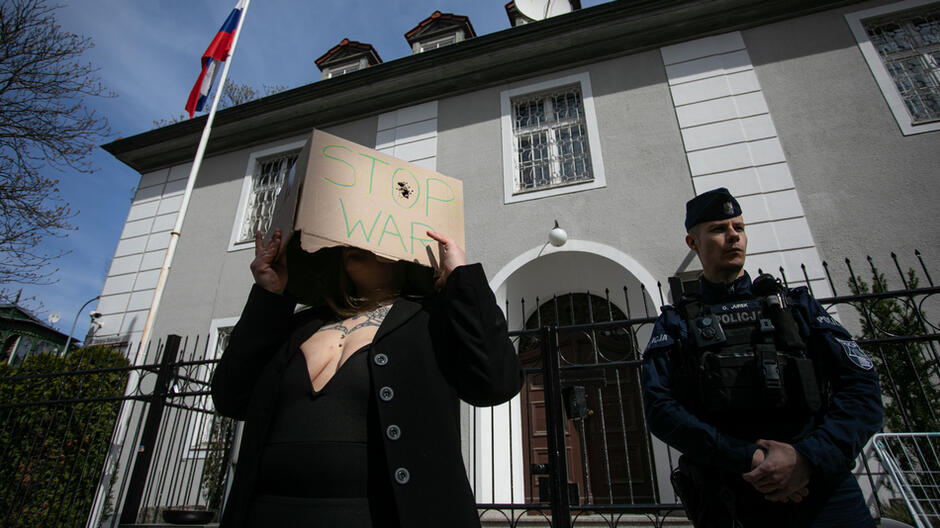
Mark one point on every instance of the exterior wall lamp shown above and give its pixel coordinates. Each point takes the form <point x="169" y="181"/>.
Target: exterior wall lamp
<point x="557" y="236"/>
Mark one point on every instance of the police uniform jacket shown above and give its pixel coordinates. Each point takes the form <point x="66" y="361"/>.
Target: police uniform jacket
<point x="830" y="440"/>
<point x="429" y="351"/>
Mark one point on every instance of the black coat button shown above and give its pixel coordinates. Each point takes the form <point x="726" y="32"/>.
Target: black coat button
<point x="393" y="432"/>
<point x="402" y="476"/>
<point x="380" y="360"/>
<point x="386" y="394"/>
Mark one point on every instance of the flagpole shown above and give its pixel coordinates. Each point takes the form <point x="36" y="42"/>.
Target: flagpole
<point x="190" y="183"/>
<point x="117" y="436"/>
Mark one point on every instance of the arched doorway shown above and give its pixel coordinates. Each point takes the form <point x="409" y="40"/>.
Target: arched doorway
<point x="502" y="444"/>
<point x="606" y="444"/>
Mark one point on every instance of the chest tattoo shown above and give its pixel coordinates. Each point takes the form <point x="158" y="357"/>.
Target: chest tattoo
<point x="372" y="318"/>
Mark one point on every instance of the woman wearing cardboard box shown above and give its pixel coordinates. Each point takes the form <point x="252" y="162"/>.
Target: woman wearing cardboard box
<point x="351" y="415"/>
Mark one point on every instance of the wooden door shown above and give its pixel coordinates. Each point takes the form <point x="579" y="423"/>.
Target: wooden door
<point x="607" y="450"/>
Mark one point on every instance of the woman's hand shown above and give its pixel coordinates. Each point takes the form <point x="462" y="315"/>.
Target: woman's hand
<point x="269" y="273"/>
<point x="451" y="257"/>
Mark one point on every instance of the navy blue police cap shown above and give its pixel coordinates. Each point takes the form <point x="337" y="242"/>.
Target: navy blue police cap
<point x="716" y="204"/>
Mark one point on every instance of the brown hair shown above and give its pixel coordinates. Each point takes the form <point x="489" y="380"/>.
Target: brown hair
<point x="319" y="279"/>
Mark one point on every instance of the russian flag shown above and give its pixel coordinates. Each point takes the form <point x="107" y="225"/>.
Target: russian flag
<point x="215" y="54"/>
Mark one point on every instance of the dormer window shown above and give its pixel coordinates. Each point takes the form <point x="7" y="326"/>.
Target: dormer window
<point x="437" y="43"/>
<point x="346" y="57"/>
<point x="439" y="30"/>
<point x="342" y="69"/>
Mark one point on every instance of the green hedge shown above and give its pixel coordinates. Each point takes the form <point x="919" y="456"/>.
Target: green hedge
<point x="51" y="455"/>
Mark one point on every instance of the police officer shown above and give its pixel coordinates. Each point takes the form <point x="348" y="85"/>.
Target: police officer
<point x="767" y="396"/>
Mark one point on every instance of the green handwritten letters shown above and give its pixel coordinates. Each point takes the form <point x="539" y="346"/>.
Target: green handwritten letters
<point x="392" y="192"/>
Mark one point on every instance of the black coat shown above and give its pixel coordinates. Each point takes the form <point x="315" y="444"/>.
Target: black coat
<point x="430" y="352"/>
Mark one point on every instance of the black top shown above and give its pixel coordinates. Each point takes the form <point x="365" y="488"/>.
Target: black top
<point x="317" y="443"/>
<point x="427" y="353"/>
<point x="324" y="445"/>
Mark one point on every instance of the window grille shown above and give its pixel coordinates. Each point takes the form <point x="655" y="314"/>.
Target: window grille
<point x="222" y="338"/>
<point x="265" y="185"/>
<point x="336" y="71"/>
<point x="909" y="46"/>
<point x="438" y="43"/>
<point x="551" y="140"/>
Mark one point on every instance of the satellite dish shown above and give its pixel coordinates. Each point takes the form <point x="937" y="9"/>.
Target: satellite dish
<point x="542" y="9"/>
<point x="54" y="318"/>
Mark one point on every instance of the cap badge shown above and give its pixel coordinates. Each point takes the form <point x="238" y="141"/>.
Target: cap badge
<point x="728" y="208"/>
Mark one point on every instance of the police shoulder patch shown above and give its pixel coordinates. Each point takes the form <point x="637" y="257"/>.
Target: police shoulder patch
<point x="661" y="337"/>
<point x="660" y="340"/>
<point x="855" y="354"/>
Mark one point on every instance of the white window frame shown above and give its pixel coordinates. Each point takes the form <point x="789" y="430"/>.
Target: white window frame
<point x="440" y="41"/>
<point x="200" y="428"/>
<point x="214" y="327"/>
<point x="882" y="76"/>
<point x="583" y="80"/>
<point x="247" y="182"/>
<point x="343" y="69"/>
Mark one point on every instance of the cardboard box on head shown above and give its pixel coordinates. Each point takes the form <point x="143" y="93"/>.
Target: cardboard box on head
<point x="343" y="194"/>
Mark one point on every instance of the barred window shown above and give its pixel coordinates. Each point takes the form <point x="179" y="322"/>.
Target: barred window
<point x="909" y="46"/>
<point x="204" y="424"/>
<point x="343" y="69"/>
<point x="551" y="140"/>
<point x="265" y="185"/>
<point x="437" y="43"/>
<point x="222" y="339"/>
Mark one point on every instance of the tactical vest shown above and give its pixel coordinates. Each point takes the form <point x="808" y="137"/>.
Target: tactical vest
<point x="747" y="355"/>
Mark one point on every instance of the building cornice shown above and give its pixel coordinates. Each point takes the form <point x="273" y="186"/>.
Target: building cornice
<point x="605" y="31"/>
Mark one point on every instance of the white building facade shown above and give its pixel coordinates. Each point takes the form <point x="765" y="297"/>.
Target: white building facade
<point x="821" y="117"/>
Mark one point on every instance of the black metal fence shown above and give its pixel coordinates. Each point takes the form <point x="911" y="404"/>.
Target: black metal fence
<point x="571" y="450"/>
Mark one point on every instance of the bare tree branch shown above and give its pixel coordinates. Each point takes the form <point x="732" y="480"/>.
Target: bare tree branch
<point x="233" y="94"/>
<point x="44" y="125"/>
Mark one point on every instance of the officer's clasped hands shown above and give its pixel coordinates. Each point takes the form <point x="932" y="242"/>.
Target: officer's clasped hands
<point x="779" y="472"/>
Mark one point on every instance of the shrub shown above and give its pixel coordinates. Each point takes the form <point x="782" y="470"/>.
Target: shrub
<point x="52" y="448"/>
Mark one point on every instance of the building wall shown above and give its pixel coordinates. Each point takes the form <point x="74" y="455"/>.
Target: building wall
<point x="844" y="152"/>
<point x="866" y="188"/>
<point x="647" y="176"/>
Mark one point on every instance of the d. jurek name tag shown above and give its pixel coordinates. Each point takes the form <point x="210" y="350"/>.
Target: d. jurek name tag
<point x="735" y="314"/>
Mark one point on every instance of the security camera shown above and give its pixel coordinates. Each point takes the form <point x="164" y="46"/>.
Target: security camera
<point x="95" y="314"/>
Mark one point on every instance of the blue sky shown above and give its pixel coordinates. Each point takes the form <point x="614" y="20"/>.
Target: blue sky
<point x="148" y="54"/>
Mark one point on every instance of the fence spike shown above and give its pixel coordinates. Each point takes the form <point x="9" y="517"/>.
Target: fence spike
<point x="557" y="315"/>
<point x="874" y="274"/>
<point x="852" y="277"/>
<point x="610" y="309"/>
<point x="832" y="285"/>
<point x="662" y="300"/>
<point x="590" y="303"/>
<point x="783" y="275"/>
<point x="626" y="300"/>
<point x="897" y="266"/>
<point x="929" y="280"/>
<point x="508" y="325"/>
<point x="809" y="285"/>
<point x="646" y="307"/>
<point x="571" y="307"/>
